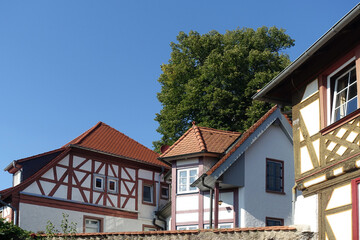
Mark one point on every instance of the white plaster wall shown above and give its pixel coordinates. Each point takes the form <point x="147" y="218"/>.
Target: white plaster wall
<point x="255" y="203"/>
<point x="187" y="217"/>
<point x="34" y="218"/>
<point x="145" y="174"/>
<point x="187" y="202"/>
<point x="306" y="212"/>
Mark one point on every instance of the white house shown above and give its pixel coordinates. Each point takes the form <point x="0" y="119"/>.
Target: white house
<point x="104" y="180"/>
<point x="248" y="176"/>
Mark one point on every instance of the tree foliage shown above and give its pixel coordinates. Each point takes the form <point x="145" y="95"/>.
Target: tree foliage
<point x="12" y="232"/>
<point x="210" y="79"/>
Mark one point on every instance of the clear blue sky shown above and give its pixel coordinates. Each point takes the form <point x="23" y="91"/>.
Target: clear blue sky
<point x="65" y="65"/>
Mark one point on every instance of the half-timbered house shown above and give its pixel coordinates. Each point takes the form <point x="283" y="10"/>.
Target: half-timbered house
<point x="228" y="179"/>
<point x="104" y="180"/>
<point x="322" y="86"/>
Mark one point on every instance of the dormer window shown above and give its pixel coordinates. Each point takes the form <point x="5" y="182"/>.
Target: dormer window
<point x="343" y="89"/>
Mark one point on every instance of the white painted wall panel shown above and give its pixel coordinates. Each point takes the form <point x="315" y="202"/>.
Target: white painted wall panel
<point x="310" y="90"/>
<point x="187" y="202"/>
<point x="77" y="161"/>
<point x="341" y="225"/>
<point x="42" y="214"/>
<point x="259" y="204"/>
<point x="65" y="161"/>
<point x="306" y="212"/>
<point x="340" y="196"/>
<point x="47" y="186"/>
<point x="311" y="117"/>
<point x="76" y="195"/>
<point x="186" y="217"/>
<point x="61" y="192"/>
<point x="145" y="174"/>
<point x="49" y="174"/>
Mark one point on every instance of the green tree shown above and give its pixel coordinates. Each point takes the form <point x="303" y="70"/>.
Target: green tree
<point x="210" y="79"/>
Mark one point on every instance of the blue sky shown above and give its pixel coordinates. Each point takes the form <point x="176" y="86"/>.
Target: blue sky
<point x="65" y="65"/>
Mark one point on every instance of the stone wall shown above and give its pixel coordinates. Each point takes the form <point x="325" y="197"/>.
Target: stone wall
<point x="268" y="233"/>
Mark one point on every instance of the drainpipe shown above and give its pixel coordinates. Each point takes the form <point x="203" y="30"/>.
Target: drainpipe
<point x="13" y="208"/>
<point x="293" y="191"/>
<point x="211" y="200"/>
<point x="157" y="201"/>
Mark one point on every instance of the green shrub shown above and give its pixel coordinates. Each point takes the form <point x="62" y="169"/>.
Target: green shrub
<point x="9" y="231"/>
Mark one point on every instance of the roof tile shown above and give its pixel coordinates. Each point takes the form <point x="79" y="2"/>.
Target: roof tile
<point x="201" y="139"/>
<point x="104" y="138"/>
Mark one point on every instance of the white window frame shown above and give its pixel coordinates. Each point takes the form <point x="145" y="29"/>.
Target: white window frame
<point x="187" y="227"/>
<point x="111" y="179"/>
<point x="98" y="176"/>
<point x="220" y="225"/>
<point x="330" y="92"/>
<point x="188" y="183"/>
<point x="90" y="227"/>
<point x="17" y="178"/>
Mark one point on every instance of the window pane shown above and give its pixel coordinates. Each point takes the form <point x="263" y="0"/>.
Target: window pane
<point x="274" y="176"/>
<point x="352" y="105"/>
<point x="353" y="76"/>
<point x="92" y="225"/>
<point x="98" y="182"/>
<point x="182" y="174"/>
<point x="147" y="194"/>
<point x="112" y="185"/>
<point x="193" y="173"/>
<point x="164" y="192"/>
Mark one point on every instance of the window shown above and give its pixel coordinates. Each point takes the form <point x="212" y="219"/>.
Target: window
<point x="17" y="178"/>
<point x="188" y="227"/>
<point x="220" y="225"/>
<point x="274" y="221"/>
<point x="99" y="182"/>
<point x="148" y="193"/>
<point x="274" y="176"/>
<point x="185" y="178"/>
<point x="92" y="224"/>
<point x="112" y="185"/>
<point x="147" y="228"/>
<point x="164" y="191"/>
<point x="343" y="91"/>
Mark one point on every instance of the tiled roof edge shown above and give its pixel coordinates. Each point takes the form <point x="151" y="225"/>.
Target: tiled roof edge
<point x="242" y="139"/>
<point x="175" y="143"/>
<point x="199" y="138"/>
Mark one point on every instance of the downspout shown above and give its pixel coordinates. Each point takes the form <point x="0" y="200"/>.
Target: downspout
<point x="157" y="201"/>
<point x="293" y="191"/>
<point x="211" y="200"/>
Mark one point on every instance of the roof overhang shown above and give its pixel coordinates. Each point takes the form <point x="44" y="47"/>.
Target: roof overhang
<point x="337" y="41"/>
<point x="190" y="155"/>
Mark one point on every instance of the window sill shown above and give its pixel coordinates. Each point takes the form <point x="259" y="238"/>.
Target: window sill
<point x="340" y="122"/>
<point x="280" y="193"/>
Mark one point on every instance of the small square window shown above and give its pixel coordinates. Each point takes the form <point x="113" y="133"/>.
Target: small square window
<point x="148" y="191"/>
<point x="99" y="182"/>
<point x="164" y="192"/>
<point x="112" y="185"/>
<point x="92" y="225"/>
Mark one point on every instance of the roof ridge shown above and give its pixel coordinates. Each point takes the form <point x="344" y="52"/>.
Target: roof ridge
<point x="219" y="130"/>
<point x="87" y="133"/>
<point x="176" y="142"/>
<point x="199" y="137"/>
<point x="129" y="137"/>
<point x="242" y="139"/>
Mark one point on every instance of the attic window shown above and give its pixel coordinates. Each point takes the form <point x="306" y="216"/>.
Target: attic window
<point x="99" y="182"/>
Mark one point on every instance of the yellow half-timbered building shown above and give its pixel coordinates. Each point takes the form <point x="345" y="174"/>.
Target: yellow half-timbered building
<point x="322" y="87"/>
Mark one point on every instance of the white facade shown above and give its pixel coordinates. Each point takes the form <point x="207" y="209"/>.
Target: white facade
<point x="255" y="203"/>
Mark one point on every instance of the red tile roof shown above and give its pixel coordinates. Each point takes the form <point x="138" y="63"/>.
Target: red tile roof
<point x="104" y="138"/>
<point x="245" y="136"/>
<point x="201" y="139"/>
